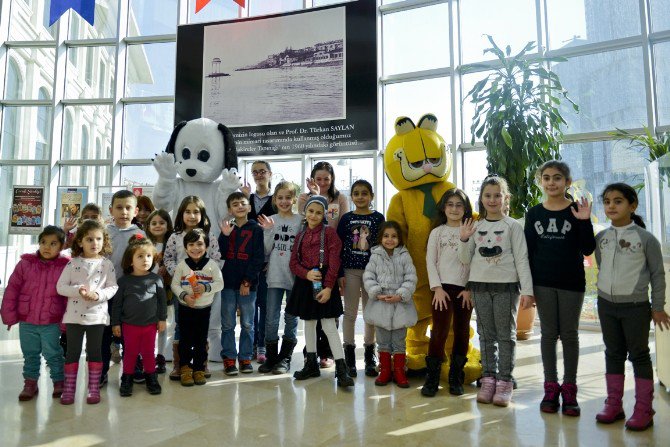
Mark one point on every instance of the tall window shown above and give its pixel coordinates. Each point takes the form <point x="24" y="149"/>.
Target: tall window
<point x="11" y="114"/>
<point x="102" y="93"/>
<point x="88" y="75"/>
<point x="43" y="132"/>
<point x="84" y="143"/>
<point x="67" y="146"/>
<point x="74" y="34"/>
<point x="9" y="136"/>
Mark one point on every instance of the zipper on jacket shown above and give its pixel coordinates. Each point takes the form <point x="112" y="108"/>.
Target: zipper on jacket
<point x="613" y="275"/>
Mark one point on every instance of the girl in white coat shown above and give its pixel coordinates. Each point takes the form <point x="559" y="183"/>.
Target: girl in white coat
<point x="390" y="280"/>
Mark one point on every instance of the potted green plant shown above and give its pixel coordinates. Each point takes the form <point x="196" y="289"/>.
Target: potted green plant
<point x="653" y="146"/>
<point x="517" y="115"/>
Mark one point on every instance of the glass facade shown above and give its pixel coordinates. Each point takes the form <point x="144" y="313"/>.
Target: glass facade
<point x="86" y="105"/>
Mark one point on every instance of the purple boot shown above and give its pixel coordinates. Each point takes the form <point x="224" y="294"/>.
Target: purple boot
<point x="613" y="410"/>
<point x="643" y="414"/>
<point x="67" y="398"/>
<point x="552" y="391"/>
<point x="94" y="373"/>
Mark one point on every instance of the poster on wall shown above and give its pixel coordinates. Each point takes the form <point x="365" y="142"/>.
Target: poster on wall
<point x="144" y="190"/>
<point x="70" y="200"/>
<point x="105" y="194"/>
<point x="300" y="82"/>
<point x="27" y="211"/>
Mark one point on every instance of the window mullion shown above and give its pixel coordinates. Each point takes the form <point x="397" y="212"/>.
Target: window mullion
<point x="648" y="61"/>
<point x="119" y="90"/>
<point x="56" y="140"/>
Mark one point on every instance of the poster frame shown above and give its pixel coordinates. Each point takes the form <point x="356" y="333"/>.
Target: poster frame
<point x="32" y="230"/>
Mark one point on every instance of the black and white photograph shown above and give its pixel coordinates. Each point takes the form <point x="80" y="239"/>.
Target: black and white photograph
<point x="278" y="70"/>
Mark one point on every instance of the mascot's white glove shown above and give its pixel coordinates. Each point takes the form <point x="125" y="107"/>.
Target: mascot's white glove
<point x="165" y="166"/>
<point x="166" y="186"/>
<point x="230" y="182"/>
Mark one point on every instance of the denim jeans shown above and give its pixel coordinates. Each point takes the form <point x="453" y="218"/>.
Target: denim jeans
<point x="273" y="312"/>
<point x="230" y="301"/>
<point x="39" y="340"/>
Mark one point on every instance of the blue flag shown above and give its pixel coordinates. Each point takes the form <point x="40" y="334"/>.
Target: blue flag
<point x="85" y="8"/>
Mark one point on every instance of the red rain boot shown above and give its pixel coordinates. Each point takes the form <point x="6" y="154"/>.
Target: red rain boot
<point x="399" y="376"/>
<point x="385" y="375"/>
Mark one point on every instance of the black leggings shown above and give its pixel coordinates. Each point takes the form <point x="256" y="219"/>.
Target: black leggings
<point x="75" y="337"/>
<point x="625" y="328"/>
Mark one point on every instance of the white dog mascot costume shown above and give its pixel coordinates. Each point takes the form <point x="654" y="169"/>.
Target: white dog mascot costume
<point x="198" y="153"/>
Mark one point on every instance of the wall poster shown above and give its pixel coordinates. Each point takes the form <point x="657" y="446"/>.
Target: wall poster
<point x="105" y="194"/>
<point x="70" y="200"/>
<point x="27" y="211"/>
<point x="300" y="82"/>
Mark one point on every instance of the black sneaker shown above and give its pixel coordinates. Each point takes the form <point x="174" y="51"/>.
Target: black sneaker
<point x="103" y="380"/>
<point x="153" y="387"/>
<point x="126" y="388"/>
<point x="160" y="364"/>
<point x="229" y="367"/>
<point x="246" y="367"/>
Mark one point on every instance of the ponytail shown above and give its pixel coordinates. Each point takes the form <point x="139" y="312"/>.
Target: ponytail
<point x="638" y="220"/>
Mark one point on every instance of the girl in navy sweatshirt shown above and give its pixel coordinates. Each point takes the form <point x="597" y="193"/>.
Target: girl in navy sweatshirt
<point x="358" y="230"/>
<point x="559" y="234"/>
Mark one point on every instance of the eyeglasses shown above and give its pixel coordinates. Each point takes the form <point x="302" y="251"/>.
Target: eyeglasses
<point x="259" y="173"/>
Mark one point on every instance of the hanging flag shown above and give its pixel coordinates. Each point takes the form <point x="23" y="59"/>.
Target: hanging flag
<point x="199" y="4"/>
<point x="85" y="8"/>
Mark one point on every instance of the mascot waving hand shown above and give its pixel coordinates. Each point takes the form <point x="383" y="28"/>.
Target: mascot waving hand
<point x="418" y="163"/>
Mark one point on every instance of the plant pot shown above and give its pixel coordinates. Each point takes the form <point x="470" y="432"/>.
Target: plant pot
<point x="524" y="323"/>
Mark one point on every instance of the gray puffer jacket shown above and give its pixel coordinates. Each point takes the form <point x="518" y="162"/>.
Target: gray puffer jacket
<point x="390" y="275"/>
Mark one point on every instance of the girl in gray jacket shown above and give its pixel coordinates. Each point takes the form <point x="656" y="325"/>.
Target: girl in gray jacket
<point x="390" y="280"/>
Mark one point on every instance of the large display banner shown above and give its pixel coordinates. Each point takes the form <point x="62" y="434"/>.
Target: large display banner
<point x="301" y="82"/>
<point x="27" y="212"/>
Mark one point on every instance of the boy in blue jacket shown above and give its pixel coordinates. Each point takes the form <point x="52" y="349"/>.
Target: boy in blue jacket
<point x="241" y="245"/>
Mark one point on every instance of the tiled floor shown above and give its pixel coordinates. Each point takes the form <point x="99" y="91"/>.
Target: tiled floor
<point x="259" y="410"/>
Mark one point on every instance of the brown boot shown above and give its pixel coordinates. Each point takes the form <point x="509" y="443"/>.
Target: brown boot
<point x="58" y="388"/>
<point x="186" y="376"/>
<point x="176" y="371"/>
<point x="29" y="389"/>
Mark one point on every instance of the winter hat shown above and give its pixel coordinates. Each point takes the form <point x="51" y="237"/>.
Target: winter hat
<point x="321" y="200"/>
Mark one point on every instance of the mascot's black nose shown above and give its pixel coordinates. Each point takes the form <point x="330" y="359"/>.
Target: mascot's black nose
<point x="191" y="172"/>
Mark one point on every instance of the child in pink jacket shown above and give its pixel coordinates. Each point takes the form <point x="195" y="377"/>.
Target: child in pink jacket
<point x="31" y="301"/>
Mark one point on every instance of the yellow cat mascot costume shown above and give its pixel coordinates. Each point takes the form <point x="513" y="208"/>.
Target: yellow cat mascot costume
<point x="418" y="163"/>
